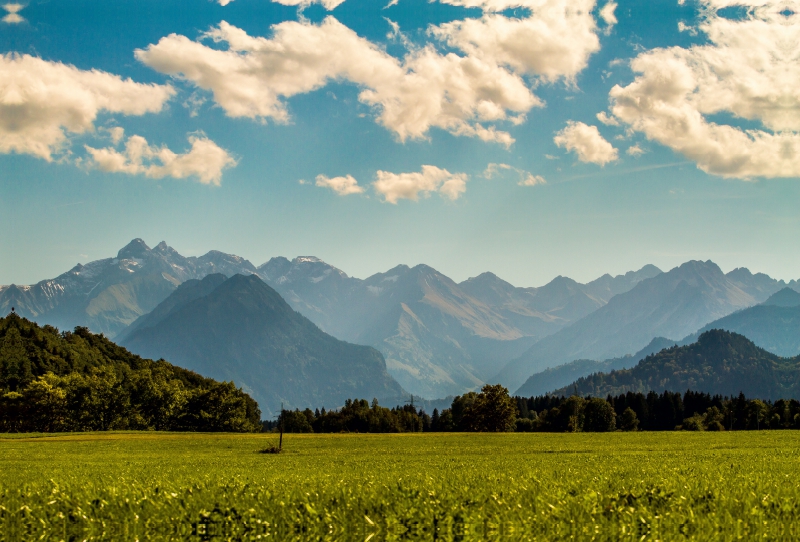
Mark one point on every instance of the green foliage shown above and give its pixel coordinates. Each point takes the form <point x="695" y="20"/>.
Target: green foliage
<point x="493" y="411"/>
<point x="612" y="486"/>
<point x="51" y="382"/>
<point x="719" y="362"/>
<point x="599" y="416"/>
<point x="629" y="421"/>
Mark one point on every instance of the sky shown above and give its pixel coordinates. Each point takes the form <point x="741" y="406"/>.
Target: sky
<point x="530" y="138"/>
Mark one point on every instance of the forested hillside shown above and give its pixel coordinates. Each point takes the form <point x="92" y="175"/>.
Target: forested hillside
<point x="720" y="362"/>
<point x="79" y="381"/>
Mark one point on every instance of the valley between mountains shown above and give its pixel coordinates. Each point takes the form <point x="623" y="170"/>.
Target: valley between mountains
<point x="306" y="326"/>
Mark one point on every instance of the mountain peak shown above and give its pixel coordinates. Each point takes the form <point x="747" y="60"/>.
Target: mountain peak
<point x="306" y="259"/>
<point x="699" y="265"/>
<point x="135" y="249"/>
<point x="784" y="298"/>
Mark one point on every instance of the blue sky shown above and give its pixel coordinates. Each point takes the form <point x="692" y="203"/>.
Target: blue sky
<point x="365" y="134"/>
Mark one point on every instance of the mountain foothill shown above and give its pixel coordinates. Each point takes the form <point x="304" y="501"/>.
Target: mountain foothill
<point x="302" y="332"/>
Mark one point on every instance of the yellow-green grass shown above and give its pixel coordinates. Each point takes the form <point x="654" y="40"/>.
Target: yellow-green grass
<point x="401" y="487"/>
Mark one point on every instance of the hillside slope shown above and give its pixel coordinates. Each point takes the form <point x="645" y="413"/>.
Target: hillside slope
<point x="720" y="362"/>
<point x="242" y="330"/>
<point x="79" y="381"/>
<point x="773" y="325"/>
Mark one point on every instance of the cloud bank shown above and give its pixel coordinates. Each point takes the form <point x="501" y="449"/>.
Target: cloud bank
<point x="205" y="161"/>
<point x="465" y="94"/>
<point x="396" y="186"/>
<point x="750" y="70"/>
<point x="42" y="101"/>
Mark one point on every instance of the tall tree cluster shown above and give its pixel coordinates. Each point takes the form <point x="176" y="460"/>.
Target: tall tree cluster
<point x="78" y="381"/>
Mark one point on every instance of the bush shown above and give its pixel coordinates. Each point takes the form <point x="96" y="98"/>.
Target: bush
<point x="629" y="421"/>
<point x="599" y="416"/>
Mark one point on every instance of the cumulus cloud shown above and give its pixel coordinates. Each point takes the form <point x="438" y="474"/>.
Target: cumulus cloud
<point x="42" y="101"/>
<point x="343" y="186"/>
<point x="330" y="5"/>
<point x="587" y="143"/>
<point x="554" y="42"/>
<point x="749" y="69"/>
<point x="525" y="178"/>
<point x="205" y="160"/>
<point x="466" y="91"/>
<point x="635" y="150"/>
<point x="396" y="186"/>
<point x="254" y="76"/>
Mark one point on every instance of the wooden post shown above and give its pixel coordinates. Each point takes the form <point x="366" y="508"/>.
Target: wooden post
<point x="280" y="442"/>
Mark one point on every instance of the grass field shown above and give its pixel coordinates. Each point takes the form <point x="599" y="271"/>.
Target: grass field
<point x="401" y="487"/>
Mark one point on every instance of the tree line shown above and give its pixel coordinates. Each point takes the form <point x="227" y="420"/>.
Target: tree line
<point x="493" y="410"/>
<point x="77" y="381"/>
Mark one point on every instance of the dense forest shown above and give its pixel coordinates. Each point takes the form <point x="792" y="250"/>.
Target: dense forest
<point x="78" y="381"/>
<point x="493" y="410"/>
<point x="720" y="362"/>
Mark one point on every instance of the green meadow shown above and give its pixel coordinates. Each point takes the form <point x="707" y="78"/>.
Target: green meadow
<point x="518" y="486"/>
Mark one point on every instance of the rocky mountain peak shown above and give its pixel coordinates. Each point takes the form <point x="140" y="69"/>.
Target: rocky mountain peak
<point x="135" y="249"/>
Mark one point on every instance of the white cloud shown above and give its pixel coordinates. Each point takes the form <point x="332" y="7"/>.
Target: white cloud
<point x="532" y="180"/>
<point x="253" y="77"/>
<point x="749" y="69"/>
<point x="554" y="42"/>
<point x="13" y="16"/>
<point x="330" y="5"/>
<point x="464" y="94"/>
<point x="635" y="150"/>
<point x="587" y="143"/>
<point x="205" y="160"/>
<point x="397" y="186"/>
<point x="606" y="119"/>
<point x="341" y="185"/>
<point x="116" y="133"/>
<point x="40" y="101"/>
<point x="493" y="169"/>
<point x="608" y="15"/>
<point x="525" y="178"/>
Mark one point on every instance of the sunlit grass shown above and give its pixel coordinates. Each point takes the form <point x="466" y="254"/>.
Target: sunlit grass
<point x="408" y="486"/>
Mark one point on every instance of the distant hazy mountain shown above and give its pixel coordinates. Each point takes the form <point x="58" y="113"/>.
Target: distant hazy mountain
<point x="557" y="377"/>
<point x="720" y="362"/>
<point x="240" y="329"/>
<point x="773" y="325"/>
<point x="439" y="338"/>
<point x="541" y="311"/>
<point x="107" y="295"/>
<point x="671" y="305"/>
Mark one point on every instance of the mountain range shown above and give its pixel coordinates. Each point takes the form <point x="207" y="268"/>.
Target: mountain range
<point x="239" y="329"/>
<point x="108" y="295"/>
<point x="671" y="305"/>
<point x="438" y="337"/>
